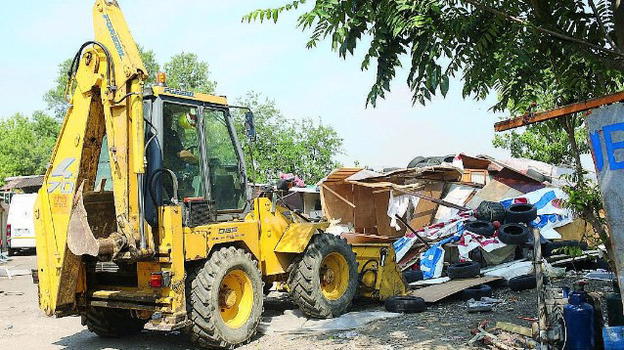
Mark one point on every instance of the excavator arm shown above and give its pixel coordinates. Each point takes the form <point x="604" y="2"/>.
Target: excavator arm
<point x="107" y="76"/>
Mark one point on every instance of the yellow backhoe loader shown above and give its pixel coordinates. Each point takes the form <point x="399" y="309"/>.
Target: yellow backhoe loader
<point x="145" y="217"/>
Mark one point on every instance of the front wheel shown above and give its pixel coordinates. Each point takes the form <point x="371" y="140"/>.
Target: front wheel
<point x="225" y="299"/>
<point x="324" y="281"/>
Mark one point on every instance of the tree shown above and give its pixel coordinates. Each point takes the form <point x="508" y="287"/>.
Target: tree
<point x="26" y="144"/>
<point x="150" y="63"/>
<point x="547" y="142"/>
<point x="302" y="146"/>
<point x="505" y="45"/>
<point x="55" y="98"/>
<point x="185" y="71"/>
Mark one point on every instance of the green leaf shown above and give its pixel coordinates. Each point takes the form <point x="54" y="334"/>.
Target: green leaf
<point x="444" y="85"/>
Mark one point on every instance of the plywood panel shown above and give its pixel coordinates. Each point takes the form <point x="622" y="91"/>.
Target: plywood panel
<point x="438" y="292"/>
<point x="425" y="210"/>
<point x="365" y="219"/>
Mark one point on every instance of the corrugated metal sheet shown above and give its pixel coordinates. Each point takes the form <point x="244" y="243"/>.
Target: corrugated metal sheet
<point x="22" y="182"/>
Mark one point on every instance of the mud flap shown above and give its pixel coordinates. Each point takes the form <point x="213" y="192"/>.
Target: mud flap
<point x="80" y="239"/>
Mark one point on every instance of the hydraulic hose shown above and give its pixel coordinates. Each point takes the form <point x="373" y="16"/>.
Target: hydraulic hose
<point x="110" y="69"/>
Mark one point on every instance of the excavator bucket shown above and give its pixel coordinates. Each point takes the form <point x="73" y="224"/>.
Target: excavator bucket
<point x="80" y="239"/>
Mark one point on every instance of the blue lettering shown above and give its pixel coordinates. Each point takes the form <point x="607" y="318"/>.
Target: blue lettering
<point x="612" y="147"/>
<point x="114" y="37"/>
<point x="597" y="150"/>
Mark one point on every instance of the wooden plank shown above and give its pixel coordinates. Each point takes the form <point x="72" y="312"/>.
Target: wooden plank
<point x="514" y="328"/>
<point x="531" y="118"/>
<point x="438" y="292"/>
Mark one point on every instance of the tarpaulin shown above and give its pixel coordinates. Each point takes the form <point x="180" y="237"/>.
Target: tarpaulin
<point x="432" y="260"/>
<point x="440" y="230"/>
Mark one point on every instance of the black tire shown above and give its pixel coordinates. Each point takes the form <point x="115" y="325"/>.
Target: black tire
<point x="490" y="211"/>
<point x="204" y="301"/>
<point x="112" y="323"/>
<point x="412" y="275"/>
<point x="521" y="213"/>
<point x="477" y="292"/>
<point x="466" y="269"/>
<point x="405" y="304"/>
<point x="480" y="227"/>
<point x="522" y="282"/>
<point x="414" y="163"/>
<point x="305" y="283"/>
<point x="517" y="234"/>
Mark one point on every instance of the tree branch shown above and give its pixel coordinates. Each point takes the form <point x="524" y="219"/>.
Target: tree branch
<point x="543" y="30"/>
<point x="618" y="20"/>
<point x="602" y="26"/>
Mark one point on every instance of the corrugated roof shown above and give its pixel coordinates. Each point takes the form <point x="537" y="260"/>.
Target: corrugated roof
<point x="22" y="182"/>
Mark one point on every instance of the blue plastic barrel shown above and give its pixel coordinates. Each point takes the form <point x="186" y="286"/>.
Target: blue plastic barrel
<point x="613" y="337"/>
<point x="579" y="319"/>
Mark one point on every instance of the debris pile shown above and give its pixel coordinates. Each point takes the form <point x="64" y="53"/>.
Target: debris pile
<point x="459" y="209"/>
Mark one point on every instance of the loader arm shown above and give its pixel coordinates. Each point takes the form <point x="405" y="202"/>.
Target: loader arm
<point x="108" y="76"/>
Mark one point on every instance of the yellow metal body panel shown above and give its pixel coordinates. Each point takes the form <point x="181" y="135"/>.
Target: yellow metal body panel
<point x="200" y="240"/>
<point x="297" y="237"/>
<point x="271" y="237"/>
<point x="170" y="233"/>
<point x="388" y="281"/>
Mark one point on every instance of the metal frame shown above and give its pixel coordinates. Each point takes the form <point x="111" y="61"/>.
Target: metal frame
<point x="157" y="121"/>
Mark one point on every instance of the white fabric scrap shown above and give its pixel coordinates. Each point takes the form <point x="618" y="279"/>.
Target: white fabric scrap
<point x="398" y="205"/>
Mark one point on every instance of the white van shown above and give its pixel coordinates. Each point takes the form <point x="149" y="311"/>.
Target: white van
<point x="20" y="226"/>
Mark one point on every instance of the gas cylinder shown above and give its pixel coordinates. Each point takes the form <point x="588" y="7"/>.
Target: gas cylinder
<point x="579" y="321"/>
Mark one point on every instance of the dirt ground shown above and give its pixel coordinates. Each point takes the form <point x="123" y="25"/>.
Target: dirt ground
<point x="445" y="325"/>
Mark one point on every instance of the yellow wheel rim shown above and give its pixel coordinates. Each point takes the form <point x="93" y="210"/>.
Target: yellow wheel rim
<point x="334" y="276"/>
<point x="235" y="298"/>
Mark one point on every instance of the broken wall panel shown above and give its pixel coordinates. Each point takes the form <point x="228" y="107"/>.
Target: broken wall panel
<point x="361" y="198"/>
<point x="425" y="210"/>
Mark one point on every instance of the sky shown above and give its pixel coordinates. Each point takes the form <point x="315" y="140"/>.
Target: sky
<point x="268" y="58"/>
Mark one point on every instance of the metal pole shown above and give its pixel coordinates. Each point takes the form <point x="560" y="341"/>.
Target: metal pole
<point x="539" y="278"/>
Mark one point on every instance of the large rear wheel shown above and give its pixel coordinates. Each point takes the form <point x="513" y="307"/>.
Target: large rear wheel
<point x="225" y="299"/>
<point x="112" y="323"/>
<point x="324" y="281"/>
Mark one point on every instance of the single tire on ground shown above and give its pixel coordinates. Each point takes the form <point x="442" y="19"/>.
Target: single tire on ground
<point x="224" y="301"/>
<point x="521" y="213"/>
<point x="480" y="227"/>
<point x="522" y="282"/>
<point x="323" y="282"/>
<point x="466" y="269"/>
<point x="513" y="234"/>
<point x="405" y="304"/>
<point x="490" y="211"/>
<point x="112" y="323"/>
<point x="477" y="292"/>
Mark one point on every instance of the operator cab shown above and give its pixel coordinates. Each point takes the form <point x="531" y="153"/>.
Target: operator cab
<point x="193" y="135"/>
